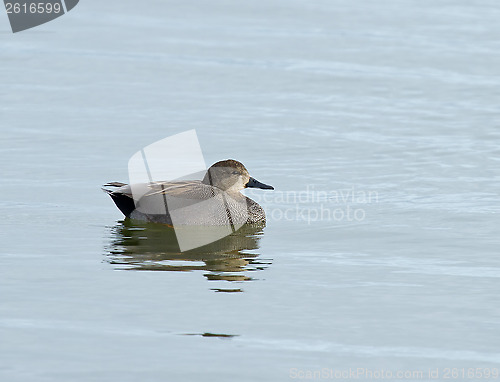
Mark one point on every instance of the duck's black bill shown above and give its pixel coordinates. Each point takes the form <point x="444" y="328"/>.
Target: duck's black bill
<point x="253" y="183"/>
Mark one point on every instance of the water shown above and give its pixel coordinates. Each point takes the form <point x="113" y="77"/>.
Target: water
<point x="387" y="108"/>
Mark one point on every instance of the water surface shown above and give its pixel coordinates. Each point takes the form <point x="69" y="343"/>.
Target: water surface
<point x="327" y="101"/>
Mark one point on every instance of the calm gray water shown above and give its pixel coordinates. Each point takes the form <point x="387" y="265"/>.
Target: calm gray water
<point x="376" y="121"/>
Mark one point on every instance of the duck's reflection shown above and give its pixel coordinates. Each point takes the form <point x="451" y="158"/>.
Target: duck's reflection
<point x="153" y="247"/>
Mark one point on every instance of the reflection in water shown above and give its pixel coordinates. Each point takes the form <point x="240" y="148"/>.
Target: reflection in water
<point x="223" y="336"/>
<point x="153" y="247"/>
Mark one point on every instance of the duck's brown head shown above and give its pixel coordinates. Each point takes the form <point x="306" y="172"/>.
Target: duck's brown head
<point x="231" y="175"/>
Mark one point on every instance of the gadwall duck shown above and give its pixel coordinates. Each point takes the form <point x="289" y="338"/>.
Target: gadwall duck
<point x="215" y="200"/>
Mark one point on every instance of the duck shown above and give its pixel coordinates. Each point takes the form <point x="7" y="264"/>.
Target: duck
<point x="213" y="201"/>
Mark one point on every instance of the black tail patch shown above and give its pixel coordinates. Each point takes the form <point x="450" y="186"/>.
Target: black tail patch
<point x="124" y="203"/>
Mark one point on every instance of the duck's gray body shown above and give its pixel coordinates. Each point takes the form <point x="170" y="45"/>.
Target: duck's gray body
<point x="216" y="200"/>
<point x="194" y="203"/>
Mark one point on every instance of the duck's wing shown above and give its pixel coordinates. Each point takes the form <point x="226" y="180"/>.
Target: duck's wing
<point x="188" y="191"/>
<point x="193" y="189"/>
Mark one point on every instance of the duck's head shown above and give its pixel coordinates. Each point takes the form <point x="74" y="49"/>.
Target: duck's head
<point x="231" y="175"/>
